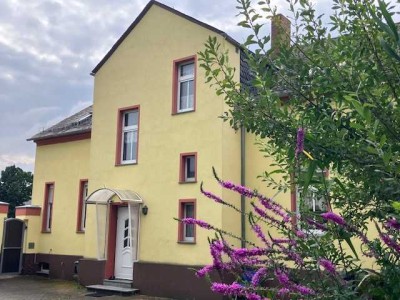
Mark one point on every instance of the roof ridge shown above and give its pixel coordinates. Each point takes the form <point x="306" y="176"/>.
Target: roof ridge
<point x="140" y="17"/>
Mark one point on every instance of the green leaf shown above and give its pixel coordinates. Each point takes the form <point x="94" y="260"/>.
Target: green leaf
<point x="389" y="50"/>
<point x="348" y="241"/>
<point x="309" y="175"/>
<point x="389" y="20"/>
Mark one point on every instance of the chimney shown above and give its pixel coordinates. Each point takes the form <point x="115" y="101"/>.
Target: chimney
<point x="280" y="33"/>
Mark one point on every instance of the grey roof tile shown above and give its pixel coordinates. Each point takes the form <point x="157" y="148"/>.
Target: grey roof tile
<point x="80" y="122"/>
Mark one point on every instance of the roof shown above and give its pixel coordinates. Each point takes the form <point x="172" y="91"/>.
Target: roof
<point x="105" y="195"/>
<point x="170" y="9"/>
<point x="81" y="122"/>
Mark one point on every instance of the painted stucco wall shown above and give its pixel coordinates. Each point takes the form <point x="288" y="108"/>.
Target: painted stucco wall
<point x="140" y="73"/>
<point x="65" y="164"/>
<point x="3" y="216"/>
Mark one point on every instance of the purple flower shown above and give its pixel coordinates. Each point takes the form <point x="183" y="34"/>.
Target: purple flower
<point x="216" y="248"/>
<point x="300" y="234"/>
<point x="300" y="141"/>
<point x="282" y="277"/>
<point x="393" y="224"/>
<point x="328" y="265"/>
<point x="390" y="242"/>
<point x="233" y="289"/>
<point x="213" y="197"/>
<point x="303" y="290"/>
<point x="257" y="229"/>
<point x="316" y="224"/>
<point x="244" y="252"/>
<point x="204" y="271"/>
<point x="283" y="291"/>
<point x="196" y="222"/>
<point x="275" y="207"/>
<point x="257" y="277"/>
<point x="252" y="296"/>
<point x="330" y="216"/>
<point x="238" y="188"/>
<point x="265" y="216"/>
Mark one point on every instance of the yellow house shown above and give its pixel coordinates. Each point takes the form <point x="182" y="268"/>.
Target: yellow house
<point x="110" y="179"/>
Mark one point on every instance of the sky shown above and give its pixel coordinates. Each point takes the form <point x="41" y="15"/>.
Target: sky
<point x="48" y="49"/>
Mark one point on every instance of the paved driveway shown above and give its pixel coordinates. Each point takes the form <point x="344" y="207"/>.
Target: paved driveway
<point x="39" y="288"/>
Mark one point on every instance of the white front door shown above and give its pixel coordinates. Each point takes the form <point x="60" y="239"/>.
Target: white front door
<point x="125" y="245"/>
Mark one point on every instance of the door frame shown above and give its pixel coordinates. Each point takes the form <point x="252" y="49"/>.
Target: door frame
<point x="112" y="237"/>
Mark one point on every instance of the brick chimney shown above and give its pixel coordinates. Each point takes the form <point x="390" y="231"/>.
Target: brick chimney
<point x="280" y="32"/>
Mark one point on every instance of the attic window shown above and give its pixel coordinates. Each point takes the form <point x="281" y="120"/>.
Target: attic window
<point x="84" y="118"/>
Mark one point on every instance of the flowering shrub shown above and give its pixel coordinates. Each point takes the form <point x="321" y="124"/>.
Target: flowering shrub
<point x="298" y="264"/>
<point x="332" y="89"/>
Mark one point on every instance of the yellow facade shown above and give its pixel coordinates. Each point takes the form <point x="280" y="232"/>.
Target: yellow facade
<point x="64" y="164"/>
<point x="139" y="73"/>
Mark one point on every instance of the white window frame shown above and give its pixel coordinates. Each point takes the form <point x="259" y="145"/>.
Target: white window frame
<point x="185" y="165"/>
<point x="311" y="193"/>
<point x="49" y="208"/>
<point x="181" y="79"/>
<point x="128" y="129"/>
<point x="184" y="229"/>
<point x="84" y="194"/>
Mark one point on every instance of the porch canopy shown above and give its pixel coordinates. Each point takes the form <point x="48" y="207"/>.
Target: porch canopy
<point x="103" y="198"/>
<point x="105" y="195"/>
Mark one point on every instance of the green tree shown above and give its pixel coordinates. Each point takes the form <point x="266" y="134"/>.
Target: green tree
<point x="344" y="91"/>
<point x="15" y="187"/>
<point x="336" y="86"/>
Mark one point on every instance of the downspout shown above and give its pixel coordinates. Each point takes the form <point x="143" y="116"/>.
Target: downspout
<point x="243" y="183"/>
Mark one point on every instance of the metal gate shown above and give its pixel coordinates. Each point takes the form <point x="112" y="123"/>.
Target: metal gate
<point x="11" y="250"/>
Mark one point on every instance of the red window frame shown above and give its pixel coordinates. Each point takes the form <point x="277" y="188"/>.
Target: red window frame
<point x="175" y="75"/>
<point x="182" y="167"/>
<point x="118" y="158"/>
<point x="45" y="228"/>
<point x="182" y="203"/>
<point x="79" y="227"/>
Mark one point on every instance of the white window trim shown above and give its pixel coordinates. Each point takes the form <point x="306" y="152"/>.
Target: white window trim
<point x="186" y="177"/>
<point x="49" y="208"/>
<point x="182" y="79"/>
<point x="314" y="232"/>
<point x="184" y="237"/>
<point x="83" y="209"/>
<point x="127" y="129"/>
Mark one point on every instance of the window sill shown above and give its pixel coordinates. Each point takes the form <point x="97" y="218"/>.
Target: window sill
<point x="182" y="112"/>
<point x="127" y="164"/>
<point x="187" y="242"/>
<point x="186" y="182"/>
<point x="80" y="231"/>
<point x="46" y="231"/>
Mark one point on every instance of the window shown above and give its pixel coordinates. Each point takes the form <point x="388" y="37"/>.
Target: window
<point x="83" y="192"/>
<point x="187" y="232"/>
<point x="313" y="203"/>
<point x="48" y="207"/>
<point x="188" y="168"/>
<point x="128" y="136"/>
<point x="184" y="89"/>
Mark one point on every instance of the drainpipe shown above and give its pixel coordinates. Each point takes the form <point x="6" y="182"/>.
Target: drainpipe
<point x="243" y="183"/>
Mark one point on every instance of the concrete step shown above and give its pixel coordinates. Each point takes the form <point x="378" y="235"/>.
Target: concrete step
<point x="112" y="289"/>
<point x="118" y="282"/>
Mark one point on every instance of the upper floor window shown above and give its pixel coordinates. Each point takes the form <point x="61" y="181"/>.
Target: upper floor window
<point x="83" y="192"/>
<point x="48" y="207"/>
<point x="188" y="167"/>
<point x="127" y="144"/>
<point x="184" y="96"/>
